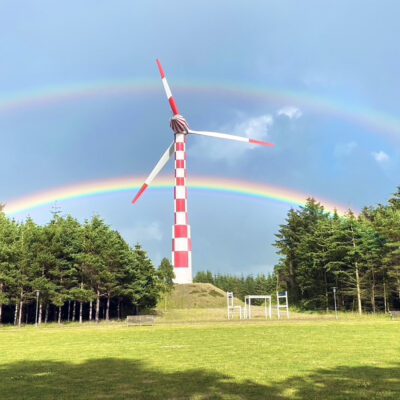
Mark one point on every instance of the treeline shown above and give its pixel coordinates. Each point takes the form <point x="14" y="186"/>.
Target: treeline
<point x="68" y="271"/>
<point x="239" y="285"/>
<point x="357" y="255"/>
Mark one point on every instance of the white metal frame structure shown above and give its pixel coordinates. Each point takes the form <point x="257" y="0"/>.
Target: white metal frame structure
<point x="231" y="307"/>
<point x="267" y="310"/>
<point x="279" y="306"/>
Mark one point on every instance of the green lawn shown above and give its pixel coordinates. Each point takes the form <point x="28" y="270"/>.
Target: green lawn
<point x="297" y="359"/>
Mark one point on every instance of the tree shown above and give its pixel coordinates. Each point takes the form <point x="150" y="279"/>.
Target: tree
<point x="166" y="276"/>
<point x="92" y="262"/>
<point x="8" y="260"/>
<point x="296" y="244"/>
<point x="28" y="266"/>
<point x="204" y="277"/>
<point x="140" y="281"/>
<point x="117" y="256"/>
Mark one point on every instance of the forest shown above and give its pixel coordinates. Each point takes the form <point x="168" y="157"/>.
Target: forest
<point x="239" y="285"/>
<point x="68" y="271"/>
<point x="357" y="256"/>
<point x="72" y="271"/>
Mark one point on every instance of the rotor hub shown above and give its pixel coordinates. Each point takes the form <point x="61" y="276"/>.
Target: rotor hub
<point x="179" y="125"/>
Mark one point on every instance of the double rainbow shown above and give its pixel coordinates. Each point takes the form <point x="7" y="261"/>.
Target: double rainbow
<point x="376" y="122"/>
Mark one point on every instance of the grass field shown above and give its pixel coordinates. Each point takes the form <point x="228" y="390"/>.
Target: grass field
<point x="297" y="359"/>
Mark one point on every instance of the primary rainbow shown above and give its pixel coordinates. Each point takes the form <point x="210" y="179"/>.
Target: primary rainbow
<point x="375" y="121"/>
<point x="86" y="189"/>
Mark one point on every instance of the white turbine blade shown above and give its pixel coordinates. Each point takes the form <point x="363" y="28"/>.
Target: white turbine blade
<point x="171" y="100"/>
<point x="226" y="136"/>
<point x="156" y="170"/>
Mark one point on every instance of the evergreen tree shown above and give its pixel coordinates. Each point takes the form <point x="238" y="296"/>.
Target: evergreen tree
<point x="296" y="244"/>
<point x="166" y="276"/>
<point x="8" y="260"/>
<point x="140" y="281"/>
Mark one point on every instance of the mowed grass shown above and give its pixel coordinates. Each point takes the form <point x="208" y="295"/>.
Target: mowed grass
<point x="296" y="359"/>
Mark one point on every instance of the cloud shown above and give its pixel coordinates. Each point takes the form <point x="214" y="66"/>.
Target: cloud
<point x="290" y="112"/>
<point x="380" y="157"/>
<point x="255" y="128"/>
<point x="142" y="232"/>
<point x="345" y="149"/>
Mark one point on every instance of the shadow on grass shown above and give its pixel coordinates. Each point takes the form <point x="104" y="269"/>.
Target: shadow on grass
<point x="127" y="379"/>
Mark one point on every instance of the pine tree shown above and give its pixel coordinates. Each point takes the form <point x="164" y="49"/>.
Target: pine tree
<point x="166" y="276"/>
<point x="140" y="281"/>
<point x="296" y="267"/>
<point x="8" y="260"/>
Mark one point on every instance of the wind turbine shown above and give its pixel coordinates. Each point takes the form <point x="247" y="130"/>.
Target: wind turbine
<point x="181" y="234"/>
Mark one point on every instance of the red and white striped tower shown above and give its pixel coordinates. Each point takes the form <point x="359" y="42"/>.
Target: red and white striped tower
<point x="181" y="234"/>
<point x="181" y="237"/>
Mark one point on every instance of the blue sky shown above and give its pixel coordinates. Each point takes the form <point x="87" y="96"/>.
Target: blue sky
<point x="343" y="53"/>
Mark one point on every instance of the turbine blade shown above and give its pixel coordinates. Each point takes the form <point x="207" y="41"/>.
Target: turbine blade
<point x="156" y="170"/>
<point x="171" y="100"/>
<point x="226" y="136"/>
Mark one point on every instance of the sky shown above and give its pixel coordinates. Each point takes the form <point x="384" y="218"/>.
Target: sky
<point x="81" y="101"/>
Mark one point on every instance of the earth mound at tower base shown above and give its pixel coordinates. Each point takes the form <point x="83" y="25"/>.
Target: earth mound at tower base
<point x="195" y="295"/>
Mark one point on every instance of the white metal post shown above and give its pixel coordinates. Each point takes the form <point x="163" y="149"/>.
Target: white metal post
<point x="249" y="307"/>
<point x="265" y="308"/>
<point x="278" y="305"/>
<point x="287" y="305"/>
<point x="270" y="307"/>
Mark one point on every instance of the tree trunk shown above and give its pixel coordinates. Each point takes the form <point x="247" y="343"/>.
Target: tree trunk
<point x="293" y="288"/>
<point x="16" y="313"/>
<point x="108" y="307"/>
<point x="373" y="291"/>
<point x="385" y="298"/>
<point x="73" y="311"/>
<point x="398" y="286"/>
<point x="26" y="314"/>
<point x="119" y="309"/>
<point x="59" y="315"/>
<point x="40" y="313"/>
<point x="46" y="314"/>
<point x="358" y="289"/>
<point x="69" y="310"/>
<point x="326" y="293"/>
<point x="97" y="305"/>
<point x="21" y="307"/>
<point x="90" y="310"/>
<point x="80" y="312"/>
<point x="357" y="278"/>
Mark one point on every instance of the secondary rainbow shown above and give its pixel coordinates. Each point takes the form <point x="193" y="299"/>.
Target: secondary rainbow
<point x="222" y="185"/>
<point x="375" y="121"/>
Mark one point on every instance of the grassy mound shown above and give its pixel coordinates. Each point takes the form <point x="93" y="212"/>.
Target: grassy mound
<point x="196" y="295"/>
